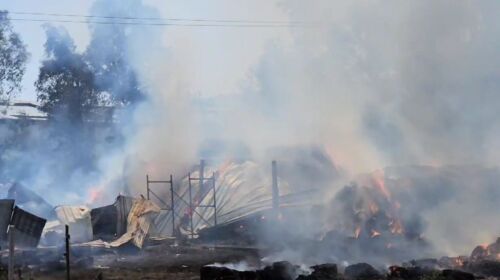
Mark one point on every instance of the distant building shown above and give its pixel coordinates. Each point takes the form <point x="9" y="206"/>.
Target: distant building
<point x="19" y="117"/>
<point x="20" y="110"/>
<point x="29" y="111"/>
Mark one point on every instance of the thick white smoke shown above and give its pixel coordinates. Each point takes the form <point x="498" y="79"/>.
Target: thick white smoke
<point x="373" y="83"/>
<point x="376" y="83"/>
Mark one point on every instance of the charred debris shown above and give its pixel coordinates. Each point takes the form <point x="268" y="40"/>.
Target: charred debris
<point x="208" y="216"/>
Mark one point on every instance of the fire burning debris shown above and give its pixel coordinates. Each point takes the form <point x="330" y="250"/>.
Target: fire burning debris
<point x="365" y="222"/>
<point x="368" y="217"/>
<point x="487" y="252"/>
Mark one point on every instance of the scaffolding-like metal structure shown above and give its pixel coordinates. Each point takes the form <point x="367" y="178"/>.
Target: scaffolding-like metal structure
<point x="169" y="207"/>
<point x="193" y="207"/>
<point x="175" y="198"/>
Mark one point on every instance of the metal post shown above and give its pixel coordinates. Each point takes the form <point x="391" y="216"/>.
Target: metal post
<point x="172" y="206"/>
<point x="147" y="186"/>
<point x="191" y="210"/>
<point x="11" y="252"/>
<point x="66" y="255"/>
<point x="202" y="173"/>
<point x="215" y="199"/>
<point x="276" y="192"/>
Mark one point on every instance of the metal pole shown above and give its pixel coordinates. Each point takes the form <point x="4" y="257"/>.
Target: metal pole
<point x="11" y="252"/>
<point x="276" y="192"/>
<point x="147" y="186"/>
<point x="67" y="252"/>
<point x="215" y="199"/>
<point x="202" y="173"/>
<point x="191" y="206"/>
<point x="172" y="206"/>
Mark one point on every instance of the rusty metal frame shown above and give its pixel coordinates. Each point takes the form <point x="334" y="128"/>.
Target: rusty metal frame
<point x="170" y="207"/>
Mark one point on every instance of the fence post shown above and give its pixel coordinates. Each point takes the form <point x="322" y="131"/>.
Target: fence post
<point x="66" y="255"/>
<point x="11" y="252"/>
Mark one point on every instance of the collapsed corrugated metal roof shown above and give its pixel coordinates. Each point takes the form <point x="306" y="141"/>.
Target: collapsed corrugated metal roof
<point x="78" y="220"/>
<point x="241" y="190"/>
<point x="110" y="221"/>
<point x="104" y="222"/>
<point x="139" y="223"/>
<point x="140" y="218"/>
<point x="28" y="228"/>
<point x="123" y="206"/>
<point x="6" y="206"/>
<point x="30" y="201"/>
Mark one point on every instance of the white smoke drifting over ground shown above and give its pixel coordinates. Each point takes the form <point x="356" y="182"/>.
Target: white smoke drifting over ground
<point x="373" y="83"/>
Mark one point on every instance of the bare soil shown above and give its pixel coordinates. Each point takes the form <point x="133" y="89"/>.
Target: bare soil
<point x="159" y="262"/>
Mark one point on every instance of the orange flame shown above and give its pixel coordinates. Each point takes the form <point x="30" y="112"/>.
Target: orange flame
<point x="396" y="227"/>
<point x="94" y="194"/>
<point x="373" y="207"/>
<point x="379" y="183"/>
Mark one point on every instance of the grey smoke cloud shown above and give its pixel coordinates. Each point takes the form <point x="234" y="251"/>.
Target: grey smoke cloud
<point x="377" y="83"/>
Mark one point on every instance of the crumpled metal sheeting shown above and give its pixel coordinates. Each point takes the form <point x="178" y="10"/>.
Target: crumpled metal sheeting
<point x="140" y="218"/>
<point x="104" y="222"/>
<point x="28" y="228"/>
<point x="162" y="225"/>
<point x="123" y="205"/>
<point x="139" y="223"/>
<point x="79" y="222"/>
<point x="241" y="189"/>
<point x="30" y="201"/>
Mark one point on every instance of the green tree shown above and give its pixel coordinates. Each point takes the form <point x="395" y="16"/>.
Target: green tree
<point x="13" y="57"/>
<point x="65" y="83"/>
<point x="107" y="56"/>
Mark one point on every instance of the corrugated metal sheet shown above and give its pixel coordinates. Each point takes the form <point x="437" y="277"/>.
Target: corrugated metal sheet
<point x="242" y="189"/>
<point x="31" y="201"/>
<point x="111" y="220"/>
<point x="6" y="206"/>
<point x="123" y="205"/>
<point x="162" y="225"/>
<point x="140" y="218"/>
<point x="78" y="220"/>
<point x="104" y="222"/>
<point x="28" y="228"/>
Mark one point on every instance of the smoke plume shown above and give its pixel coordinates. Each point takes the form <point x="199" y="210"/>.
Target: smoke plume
<point x="361" y="86"/>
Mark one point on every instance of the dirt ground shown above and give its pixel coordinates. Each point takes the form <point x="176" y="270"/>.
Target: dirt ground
<point x="159" y="262"/>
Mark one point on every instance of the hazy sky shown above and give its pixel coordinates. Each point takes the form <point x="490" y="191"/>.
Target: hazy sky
<point x="233" y="50"/>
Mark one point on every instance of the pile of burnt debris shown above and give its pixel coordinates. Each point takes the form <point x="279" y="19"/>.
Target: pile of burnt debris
<point x="483" y="263"/>
<point x="360" y="271"/>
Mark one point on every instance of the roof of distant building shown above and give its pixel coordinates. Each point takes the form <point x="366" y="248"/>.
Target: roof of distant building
<point x="21" y="110"/>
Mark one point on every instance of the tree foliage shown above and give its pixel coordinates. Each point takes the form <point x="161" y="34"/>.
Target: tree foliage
<point x="13" y="57"/>
<point x="65" y="83"/>
<point x="107" y="55"/>
<point x="71" y="83"/>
